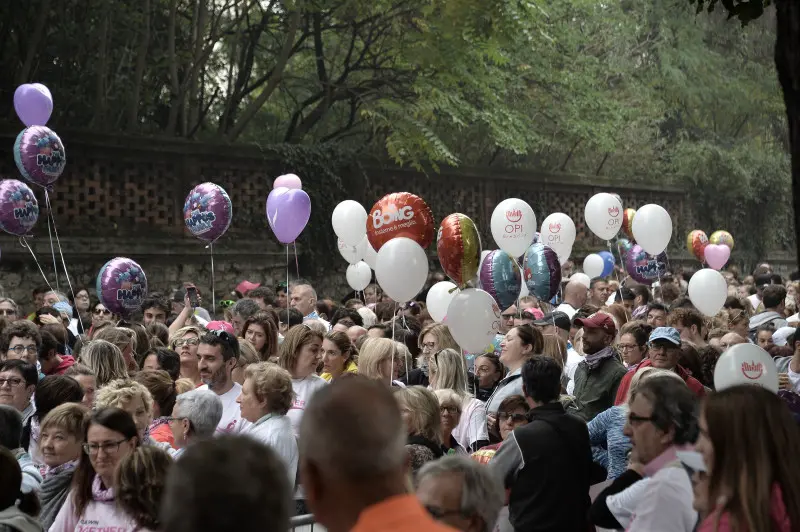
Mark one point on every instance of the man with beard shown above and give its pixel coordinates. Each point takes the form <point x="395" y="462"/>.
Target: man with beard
<point x="216" y="357"/>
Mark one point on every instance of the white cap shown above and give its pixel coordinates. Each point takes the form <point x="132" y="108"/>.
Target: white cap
<point x="780" y="336"/>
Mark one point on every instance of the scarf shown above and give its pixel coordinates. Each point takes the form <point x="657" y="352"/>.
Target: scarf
<point x="594" y="360"/>
<point x="99" y="493"/>
<point x="54" y="491"/>
<point x="157" y="422"/>
<point x="48" y="472"/>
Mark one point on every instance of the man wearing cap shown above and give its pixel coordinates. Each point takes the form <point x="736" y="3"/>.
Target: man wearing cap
<point x="665" y="349"/>
<point x="558" y="324"/>
<point x="598" y="375"/>
<point x="575" y="295"/>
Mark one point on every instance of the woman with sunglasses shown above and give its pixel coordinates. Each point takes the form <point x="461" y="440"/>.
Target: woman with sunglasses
<point x="100" y="315"/>
<point x="513" y="413"/>
<point x="110" y="435"/>
<point x="185" y="342"/>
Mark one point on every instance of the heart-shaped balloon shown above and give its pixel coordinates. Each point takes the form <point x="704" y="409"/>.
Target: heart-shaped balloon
<point x="288" y="212"/>
<point x="287" y="181"/>
<point x="717" y="255"/>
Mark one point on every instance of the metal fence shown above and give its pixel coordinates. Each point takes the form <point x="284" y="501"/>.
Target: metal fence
<point x="305" y="523"/>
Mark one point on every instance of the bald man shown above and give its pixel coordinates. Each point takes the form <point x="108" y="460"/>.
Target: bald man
<point x="575" y="295"/>
<point x="304" y="300"/>
<point x="355" y="413"/>
<point x="729" y="340"/>
<point x="355" y="332"/>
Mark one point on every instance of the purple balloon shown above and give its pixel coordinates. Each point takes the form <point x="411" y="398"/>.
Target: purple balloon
<point x="542" y="273"/>
<point x="288" y="211"/>
<point x="501" y="277"/>
<point x="208" y="211"/>
<point x="644" y="268"/>
<point x="288" y="181"/>
<point x="121" y="286"/>
<point x="19" y="209"/>
<point x="33" y="103"/>
<point x="40" y="155"/>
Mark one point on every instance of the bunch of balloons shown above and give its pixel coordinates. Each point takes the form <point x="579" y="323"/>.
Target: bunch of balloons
<point x="714" y="251"/>
<point x="600" y="264"/>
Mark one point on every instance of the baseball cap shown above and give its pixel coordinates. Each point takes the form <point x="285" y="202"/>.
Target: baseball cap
<point x="598" y="320"/>
<point x="560" y="319"/>
<point x="246" y="286"/>
<point x="63" y="306"/>
<point x="670" y="334"/>
<point x="220" y="326"/>
<point x="532" y="313"/>
<point x="781" y="336"/>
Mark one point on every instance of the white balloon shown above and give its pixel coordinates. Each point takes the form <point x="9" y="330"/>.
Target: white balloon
<point x="359" y="275"/>
<point x="513" y="226"/>
<point x="439" y="297"/>
<point x="353" y="254"/>
<point x="558" y="232"/>
<point x="474" y="319"/>
<point x="746" y="364"/>
<point x="370" y="256"/>
<point x="603" y="214"/>
<point x="707" y="291"/>
<point x="593" y="265"/>
<point x="401" y="268"/>
<point x="581" y="278"/>
<point x="652" y="228"/>
<point x="349" y="221"/>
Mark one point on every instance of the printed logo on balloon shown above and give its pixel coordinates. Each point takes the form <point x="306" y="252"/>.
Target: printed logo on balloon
<point x="513" y="226"/>
<point x="207" y="211"/>
<point x="644" y="268"/>
<point x="122" y="286"/>
<point x="400" y="214"/>
<point x="752" y="370"/>
<point x="40" y="155"/>
<point x="19" y="209"/>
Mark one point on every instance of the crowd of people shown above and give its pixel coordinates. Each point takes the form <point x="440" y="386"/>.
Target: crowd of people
<point x="597" y="410"/>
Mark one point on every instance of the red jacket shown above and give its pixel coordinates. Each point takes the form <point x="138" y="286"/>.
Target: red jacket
<point x="67" y="362"/>
<point x="622" y="392"/>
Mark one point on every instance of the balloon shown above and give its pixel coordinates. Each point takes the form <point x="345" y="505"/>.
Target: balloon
<point x="627" y="221"/>
<point x="513" y="226"/>
<point x="459" y="246"/>
<point x="288" y="211"/>
<point x="593" y="265"/>
<point x="623" y="247"/>
<point x="558" y="233"/>
<point x="501" y="278"/>
<point x="439" y="297"/>
<point x="33" y="103"/>
<point x="359" y="275"/>
<point x="721" y="238"/>
<point x="353" y="254"/>
<point x="287" y="181"/>
<point x="746" y="364"/>
<point x="542" y="271"/>
<point x="608" y="263"/>
<point x="400" y="214"/>
<point x="717" y="255"/>
<point x="19" y="209"/>
<point x="207" y="211"/>
<point x="349" y="221"/>
<point x="40" y="155"/>
<point x="644" y="268"/>
<point x="582" y="278"/>
<point x="370" y="255"/>
<point x="401" y="268"/>
<point x="652" y="228"/>
<point x="121" y="286"/>
<point x="708" y="291"/>
<point x="696" y="243"/>
<point x="603" y="214"/>
<point x="473" y="318"/>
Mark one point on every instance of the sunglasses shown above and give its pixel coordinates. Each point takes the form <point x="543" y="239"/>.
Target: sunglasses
<point x="515" y="418"/>
<point x="103" y="311"/>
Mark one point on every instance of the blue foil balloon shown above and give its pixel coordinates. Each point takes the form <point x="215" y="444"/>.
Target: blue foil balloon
<point x="501" y="277"/>
<point x="608" y="263"/>
<point x="542" y="271"/>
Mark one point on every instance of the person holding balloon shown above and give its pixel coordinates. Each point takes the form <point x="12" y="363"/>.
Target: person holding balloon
<point x="520" y="344"/>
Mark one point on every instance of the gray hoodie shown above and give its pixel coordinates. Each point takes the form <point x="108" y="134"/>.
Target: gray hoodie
<point x="14" y="519"/>
<point x="767" y="317"/>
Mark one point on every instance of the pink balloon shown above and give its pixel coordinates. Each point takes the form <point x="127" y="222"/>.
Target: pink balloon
<point x="717" y="255"/>
<point x="288" y="181"/>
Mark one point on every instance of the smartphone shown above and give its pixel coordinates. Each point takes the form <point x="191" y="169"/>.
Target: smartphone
<point x="192" y="293"/>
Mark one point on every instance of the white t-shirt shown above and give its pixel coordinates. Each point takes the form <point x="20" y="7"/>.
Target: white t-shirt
<point x="472" y="426"/>
<point x="567" y="309"/>
<point x="573" y="360"/>
<point x="303" y="390"/>
<point x="754" y="300"/>
<point x="231" y="421"/>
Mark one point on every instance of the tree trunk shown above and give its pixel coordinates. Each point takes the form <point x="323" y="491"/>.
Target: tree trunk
<point x="102" y="68"/>
<point x="141" y="59"/>
<point x="174" y="82"/>
<point x="787" y="61"/>
<point x="201" y="18"/>
<point x="33" y="43"/>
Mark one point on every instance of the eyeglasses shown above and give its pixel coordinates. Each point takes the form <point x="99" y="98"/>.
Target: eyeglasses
<point x="429" y="346"/>
<point x="12" y="382"/>
<point x="109" y="447"/>
<point x="661" y="347"/>
<point x="186" y="341"/>
<point x="227" y="303"/>
<point x="515" y="418"/>
<point x="103" y="311"/>
<point x="19" y="349"/>
<point x="82" y="296"/>
<point x="626" y="347"/>
<point x="633" y="419"/>
<point x="8" y="312"/>
<point x="449" y="409"/>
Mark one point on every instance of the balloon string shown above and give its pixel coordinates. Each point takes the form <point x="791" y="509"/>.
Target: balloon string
<point x="25" y="244"/>
<point x="288" y="306"/>
<point x="52" y="249"/>
<point x="213" y="283"/>
<point x="61" y="253"/>
<point x="616" y="275"/>
<point x="296" y="262"/>
<point x="394" y="347"/>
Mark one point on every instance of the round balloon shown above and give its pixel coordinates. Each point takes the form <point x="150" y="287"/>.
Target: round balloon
<point x="473" y="318"/>
<point x="708" y="291"/>
<point x="19" y="209"/>
<point x="40" y="155"/>
<point x="623" y="247"/>
<point x="400" y="214"/>
<point x="696" y="243"/>
<point x="288" y="212"/>
<point x="121" y="286"/>
<point x="501" y="278"/>
<point x="459" y="247"/>
<point x="513" y="226"/>
<point x="401" y="269"/>
<point x="438" y="299"/>
<point x="721" y="238"/>
<point x="370" y="256"/>
<point x="603" y="214"/>
<point x="33" y="103"/>
<point x="287" y="181"/>
<point x="644" y="268"/>
<point x="349" y="220"/>
<point x="558" y="233"/>
<point x="593" y="265"/>
<point x="353" y="254"/>
<point x="207" y="211"/>
<point x="359" y="275"/>
<point x="627" y="221"/>
<point x="652" y="228"/>
<point x="746" y="364"/>
<point x="608" y="263"/>
<point x="542" y="272"/>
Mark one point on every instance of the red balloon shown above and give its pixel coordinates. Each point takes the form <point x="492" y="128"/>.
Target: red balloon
<point x="400" y="214"/>
<point x="459" y="248"/>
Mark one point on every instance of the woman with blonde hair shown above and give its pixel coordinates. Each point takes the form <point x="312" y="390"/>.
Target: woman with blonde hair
<point x="432" y="339"/>
<point x="300" y="354"/>
<point x="139" y="485"/>
<point x="556" y="348"/>
<point x="247" y="355"/>
<point x="125" y="340"/>
<point x="131" y="397"/>
<point x="339" y="356"/>
<point x="105" y="360"/>
<point x="450" y="415"/>
<point x="184" y="341"/>
<point x="448" y="371"/>
<point x="381" y="359"/>
<point x="420" y="411"/>
<point x="162" y="388"/>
